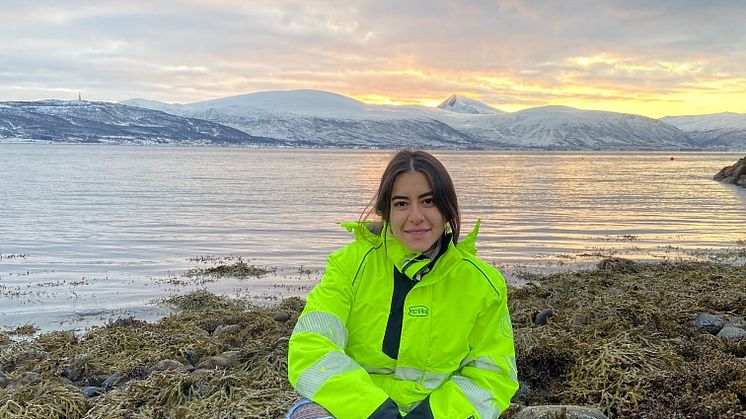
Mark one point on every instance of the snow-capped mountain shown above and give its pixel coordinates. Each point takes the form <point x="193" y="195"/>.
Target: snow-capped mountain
<point x="322" y="119"/>
<point x="85" y="121"/>
<point x="566" y="128"/>
<point x="463" y="104"/>
<point x="720" y="130"/>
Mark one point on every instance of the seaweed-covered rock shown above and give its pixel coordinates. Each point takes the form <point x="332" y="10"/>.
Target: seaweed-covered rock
<point x="617" y="264"/>
<point x="166" y="365"/>
<point x="226" y="360"/>
<point x="77" y="367"/>
<point x="630" y="355"/>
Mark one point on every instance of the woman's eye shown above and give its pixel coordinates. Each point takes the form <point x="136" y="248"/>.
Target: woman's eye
<point x="400" y="204"/>
<point x="428" y="202"/>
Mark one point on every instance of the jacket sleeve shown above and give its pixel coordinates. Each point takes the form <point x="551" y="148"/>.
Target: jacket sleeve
<point x="318" y="367"/>
<point x="488" y="377"/>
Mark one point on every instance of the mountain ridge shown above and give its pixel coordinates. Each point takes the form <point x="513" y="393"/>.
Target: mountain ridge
<point x="315" y="118"/>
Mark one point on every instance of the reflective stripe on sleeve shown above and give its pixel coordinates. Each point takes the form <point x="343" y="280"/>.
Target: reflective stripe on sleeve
<point x="479" y="397"/>
<point x="379" y="371"/>
<point x="324" y="324"/>
<point x="333" y="363"/>
<point x="429" y="380"/>
<point x="484" y="363"/>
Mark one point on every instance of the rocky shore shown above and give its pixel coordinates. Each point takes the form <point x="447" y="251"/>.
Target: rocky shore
<point x="735" y="174"/>
<point x="625" y="340"/>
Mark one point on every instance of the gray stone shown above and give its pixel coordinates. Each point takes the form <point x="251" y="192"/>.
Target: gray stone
<point x="113" y="381"/>
<point x="93" y="391"/>
<point x="559" y="411"/>
<point x="732" y="332"/>
<point x="524" y="391"/>
<point x="708" y="323"/>
<point x="192" y="356"/>
<point x="76" y="368"/>
<point x="225" y="328"/>
<point x="4" y="381"/>
<point x="226" y="360"/>
<point x="736" y="321"/>
<point x="166" y="365"/>
<point x="31" y="378"/>
<point x="543" y="316"/>
<point x="282" y="317"/>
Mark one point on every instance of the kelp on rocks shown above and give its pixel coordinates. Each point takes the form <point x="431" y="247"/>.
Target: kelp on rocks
<point x="619" y="338"/>
<point x="623" y="340"/>
<point x="254" y="385"/>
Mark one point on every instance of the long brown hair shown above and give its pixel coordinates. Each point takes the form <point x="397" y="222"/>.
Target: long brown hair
<point x="444" y="193"/>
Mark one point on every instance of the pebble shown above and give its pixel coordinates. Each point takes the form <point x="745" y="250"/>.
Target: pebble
<point x="113" y="380"/>
<point x="543" y="316"/>
<point x="282" y="317"/>
<point x="559" y="411"/>
<point x="192" y="356"/>
<point x="93" y="391"/>
<point x="731" y="332"/>
<point x="225" y="328"/>
<point x="31" y="378"/>
<point x="708" y="323"/>
<point x="4" y="381"/>
<point x="226" y="360"/>
<point x="76" y="368"/>
<point x="166" y="365"/>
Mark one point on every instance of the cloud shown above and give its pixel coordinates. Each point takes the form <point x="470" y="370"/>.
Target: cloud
<point x="510" y="53"/>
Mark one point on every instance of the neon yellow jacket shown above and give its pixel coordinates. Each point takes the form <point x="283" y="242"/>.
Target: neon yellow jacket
<point x="456" y="356"/>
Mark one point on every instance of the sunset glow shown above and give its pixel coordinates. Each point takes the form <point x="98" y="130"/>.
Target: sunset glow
<point x="641" y="58"/>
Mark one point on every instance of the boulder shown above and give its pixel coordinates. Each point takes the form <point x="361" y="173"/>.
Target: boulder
<point x="735" y="174"/>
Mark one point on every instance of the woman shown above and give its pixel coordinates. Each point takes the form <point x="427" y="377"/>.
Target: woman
<point x="406" y="320"/>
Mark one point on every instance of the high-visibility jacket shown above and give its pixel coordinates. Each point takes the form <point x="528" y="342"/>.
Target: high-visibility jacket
<point x="455" y="356"/>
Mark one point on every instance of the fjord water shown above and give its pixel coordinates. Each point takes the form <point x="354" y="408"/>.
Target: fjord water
<point x="91" y="232"/>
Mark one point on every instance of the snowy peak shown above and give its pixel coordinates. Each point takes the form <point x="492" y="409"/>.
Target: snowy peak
<point x="689" y="123"/>
<point x="298" y="102"/>
<point x="719" y="130"/>
<point x="463" y="104"/>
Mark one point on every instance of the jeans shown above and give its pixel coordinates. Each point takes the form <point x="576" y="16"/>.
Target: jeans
<point x="306" y="409"/>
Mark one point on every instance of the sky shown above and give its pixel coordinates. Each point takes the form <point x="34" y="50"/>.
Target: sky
<point x="653" y="58"/>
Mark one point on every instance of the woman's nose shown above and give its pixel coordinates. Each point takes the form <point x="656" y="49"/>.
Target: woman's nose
<point x="416" y="215"/>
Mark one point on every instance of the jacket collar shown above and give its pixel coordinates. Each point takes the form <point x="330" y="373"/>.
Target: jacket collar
<point x="406" y="261"/>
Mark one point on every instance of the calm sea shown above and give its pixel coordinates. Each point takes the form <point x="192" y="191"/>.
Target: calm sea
<point x="89" y="233"/>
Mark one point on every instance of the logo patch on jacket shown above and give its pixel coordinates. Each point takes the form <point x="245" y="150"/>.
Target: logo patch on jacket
<point x="418" y="311"/>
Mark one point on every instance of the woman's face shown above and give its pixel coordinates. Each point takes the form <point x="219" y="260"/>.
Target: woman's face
<point x="415" y="219"/>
